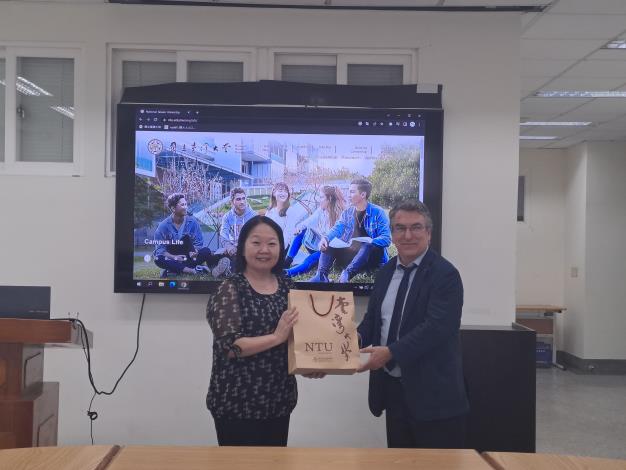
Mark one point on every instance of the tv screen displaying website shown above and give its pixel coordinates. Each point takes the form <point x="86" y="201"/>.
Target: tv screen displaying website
<point x="190" y="176"/>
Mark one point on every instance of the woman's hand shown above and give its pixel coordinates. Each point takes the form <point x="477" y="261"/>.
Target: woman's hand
<point x="285" y="325"/>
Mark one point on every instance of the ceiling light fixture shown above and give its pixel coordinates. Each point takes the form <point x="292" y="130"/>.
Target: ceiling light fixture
<point x="556" y="123"/>
<point x="581" y="94"/>
<point x="537" y="137"/>
<point x="617" y="44"/>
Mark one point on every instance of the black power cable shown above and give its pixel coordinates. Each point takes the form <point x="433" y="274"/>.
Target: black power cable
<point x="84" y="339"/>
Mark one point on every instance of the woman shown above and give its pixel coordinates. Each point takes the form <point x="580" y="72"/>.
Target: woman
<point x="311" y="230"/>
<point x="283" y="213"/>
<point x="251" y="395"/>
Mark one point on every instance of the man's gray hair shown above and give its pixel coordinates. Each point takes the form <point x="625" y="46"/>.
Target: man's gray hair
<point x="412" y="205"/>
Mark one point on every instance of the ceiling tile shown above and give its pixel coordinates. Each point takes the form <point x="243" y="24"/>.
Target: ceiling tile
<point x="553" y="26"/>
<point x="608" y="7"/>
<point x="543" y="67"/>
<point x="584" y="84"/>
<point x="565" y="143"/>
<point x="598" y="110"/>
<point x="528" y="19"/>
<point x="534" y="144"/>
<point x="608" y="54"/>
<point x="558" y="131"/>
<point x="530" y="84"/>
<point x="548" y="107"/>
<point x="613" y="125"/>
<point x="598" y="69"/>
<point x="558" y="49"/>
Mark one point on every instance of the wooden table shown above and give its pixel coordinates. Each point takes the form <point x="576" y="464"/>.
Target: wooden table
<point x="57" y="458"/>
<point x="264" y="458"/>
<point x="514" y="461"/>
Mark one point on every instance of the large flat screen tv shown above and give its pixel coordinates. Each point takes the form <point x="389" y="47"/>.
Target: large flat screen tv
<point x="189" y="176"/>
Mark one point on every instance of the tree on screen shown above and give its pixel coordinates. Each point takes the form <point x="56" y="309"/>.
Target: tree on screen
<point x="396" y="175"/>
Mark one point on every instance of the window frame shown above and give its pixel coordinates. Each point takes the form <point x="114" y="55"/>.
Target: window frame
<point x="118" y="53"/>
<point x="11" y="165"/>
<point x="341" y="58"/>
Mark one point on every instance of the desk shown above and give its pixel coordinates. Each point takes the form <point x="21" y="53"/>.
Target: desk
<point x="264" y="458"/>
<point x="542" y="319"/>
<point x="513" y="461"/>
<point x="57" y="458"/>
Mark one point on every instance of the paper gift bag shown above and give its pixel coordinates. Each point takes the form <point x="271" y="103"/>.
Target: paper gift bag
<point x="324" y="338"/>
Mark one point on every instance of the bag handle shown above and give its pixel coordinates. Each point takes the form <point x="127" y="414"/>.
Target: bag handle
<point x="332" y="301"/>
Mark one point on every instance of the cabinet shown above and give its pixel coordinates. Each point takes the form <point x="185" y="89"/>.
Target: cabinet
<point x="541" y="319"/>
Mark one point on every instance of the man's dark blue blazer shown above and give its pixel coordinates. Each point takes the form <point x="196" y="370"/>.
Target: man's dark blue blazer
<point x="428" y="350"/>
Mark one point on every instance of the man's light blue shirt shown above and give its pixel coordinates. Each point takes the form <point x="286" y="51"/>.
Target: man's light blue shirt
<point x="386" y="309"/>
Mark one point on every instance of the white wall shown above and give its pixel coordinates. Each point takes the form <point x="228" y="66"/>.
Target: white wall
<point x="540" y="237"/>
<point x="605" y="322"/>
<point x="62" y="234"/>
<point x="575" y="252"/>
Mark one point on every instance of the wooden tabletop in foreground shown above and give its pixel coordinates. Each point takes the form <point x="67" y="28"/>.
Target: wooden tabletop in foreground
<point x="264" y="458"/>
<point x="57" y="458"/>
<point x="515" y="461"/>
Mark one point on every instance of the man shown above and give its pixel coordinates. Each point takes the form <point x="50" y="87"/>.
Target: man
<point x="233" y="220"/>
<point x="361" y="219"/>
<point x="179" y="241"/>
<point x="412" y="324"/>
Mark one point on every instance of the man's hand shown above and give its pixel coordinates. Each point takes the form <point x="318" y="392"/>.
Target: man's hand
<point x="323" y="244"/>
<point x="379" y="356"/>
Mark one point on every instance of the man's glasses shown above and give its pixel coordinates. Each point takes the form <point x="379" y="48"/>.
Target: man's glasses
<point x="402" y="229"/>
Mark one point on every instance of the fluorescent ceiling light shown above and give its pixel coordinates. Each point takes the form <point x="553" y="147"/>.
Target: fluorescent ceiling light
<point x="64" y="110"/>
<point x="581" y="94"/>
<point x="555" y="123"/>
<point x="537" y="137"/>
<point x="617" y="44"/>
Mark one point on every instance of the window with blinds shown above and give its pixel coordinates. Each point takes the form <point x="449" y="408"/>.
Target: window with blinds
<point x="214" y="72"/>
<point x="320" y="74"/>
<point x="375" y="74"/>
<point x="350" y="67"/>
<point x="144" y="73"/>
<point x="45" y="109"/>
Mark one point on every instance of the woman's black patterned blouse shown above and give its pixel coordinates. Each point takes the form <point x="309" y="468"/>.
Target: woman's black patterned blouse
<point x="257" y="386"/>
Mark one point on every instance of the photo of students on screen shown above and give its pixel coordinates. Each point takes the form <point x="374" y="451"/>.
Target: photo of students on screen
<point x="330" y="195"/>
<point x="179" y="244"/>
<point x="233" y="220"/>
<point x="285" y="214"/>
<point x="358" y="240"/>
<point x="310" y="231"/>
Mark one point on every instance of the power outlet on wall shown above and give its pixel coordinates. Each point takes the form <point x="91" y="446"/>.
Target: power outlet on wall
<point x="573" y="271"/>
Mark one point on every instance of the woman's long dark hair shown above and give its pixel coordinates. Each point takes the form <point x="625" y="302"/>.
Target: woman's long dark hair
<point x="240" y="261"/>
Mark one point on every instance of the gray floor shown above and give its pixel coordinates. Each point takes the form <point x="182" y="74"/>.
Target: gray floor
<point x="581" y="414"/>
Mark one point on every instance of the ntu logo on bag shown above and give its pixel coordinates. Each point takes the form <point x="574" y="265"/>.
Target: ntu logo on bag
<point x="318" y="347"/>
